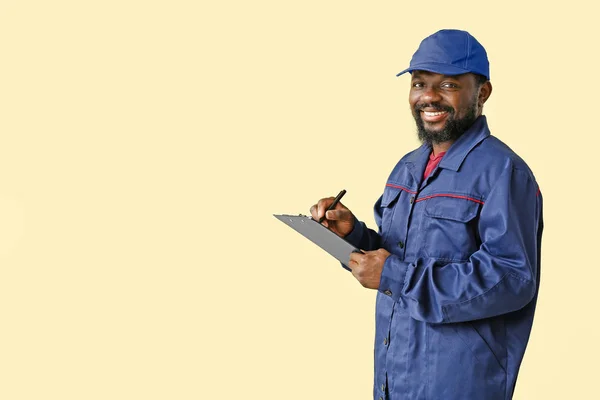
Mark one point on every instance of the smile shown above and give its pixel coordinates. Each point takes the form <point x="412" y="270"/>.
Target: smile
<point x="434" y="116"/>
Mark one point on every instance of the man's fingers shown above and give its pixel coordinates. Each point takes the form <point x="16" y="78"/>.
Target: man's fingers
<point x="313" y="211"/>
<point x="352" y="264"/>
<point x="322" y="206"/>
<point x="339" y="215"/>
<point x="356" y="257"/>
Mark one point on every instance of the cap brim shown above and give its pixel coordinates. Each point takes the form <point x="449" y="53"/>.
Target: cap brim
<point x="443" y="69"/>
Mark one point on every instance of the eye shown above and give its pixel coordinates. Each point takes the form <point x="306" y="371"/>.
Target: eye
<point x="449" y="85"/>
<point x="417" y="84"/>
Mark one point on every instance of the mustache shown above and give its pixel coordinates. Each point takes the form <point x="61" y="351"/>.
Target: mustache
<point x="436" y="106"/>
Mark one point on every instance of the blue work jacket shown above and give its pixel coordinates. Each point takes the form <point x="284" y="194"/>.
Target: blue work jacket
<point x="457" y="295"/>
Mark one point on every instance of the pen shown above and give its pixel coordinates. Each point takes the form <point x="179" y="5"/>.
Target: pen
<point x="335" y="202"/>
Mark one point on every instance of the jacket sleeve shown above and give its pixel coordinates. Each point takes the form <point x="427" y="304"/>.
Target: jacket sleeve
<point x="500" y="277"/>
<point x="363" y="237"/>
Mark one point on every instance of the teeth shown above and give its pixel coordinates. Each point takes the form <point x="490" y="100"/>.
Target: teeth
<point x="433" y="114"/>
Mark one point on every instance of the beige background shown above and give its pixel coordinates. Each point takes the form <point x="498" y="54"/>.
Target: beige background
<point x="145" y="144"/>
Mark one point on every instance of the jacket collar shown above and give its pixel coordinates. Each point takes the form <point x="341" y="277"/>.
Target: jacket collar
<point x="472" y="137"/>
<point x="457" y="153"/>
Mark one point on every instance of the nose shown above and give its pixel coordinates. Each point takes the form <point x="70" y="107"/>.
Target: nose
<point x="430" y="94"/>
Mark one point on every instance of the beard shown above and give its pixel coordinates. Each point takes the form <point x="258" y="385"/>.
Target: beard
<point x="454" y="127"/>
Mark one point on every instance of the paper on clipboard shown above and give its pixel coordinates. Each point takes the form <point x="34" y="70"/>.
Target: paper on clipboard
<point x="326" y="239"/>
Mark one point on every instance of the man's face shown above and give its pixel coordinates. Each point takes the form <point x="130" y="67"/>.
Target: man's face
<point x="443" y="106"/>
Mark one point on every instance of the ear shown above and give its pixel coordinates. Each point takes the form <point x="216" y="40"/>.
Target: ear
<point x="484" y="93"/>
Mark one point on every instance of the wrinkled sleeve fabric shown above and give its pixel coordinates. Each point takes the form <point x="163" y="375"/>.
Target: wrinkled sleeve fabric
<point x="500" y="277"/>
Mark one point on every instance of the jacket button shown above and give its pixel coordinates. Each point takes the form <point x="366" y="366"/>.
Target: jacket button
<point x="381" y="398"/>
<point x="388" y="292"/>
<point x="385" y="342"/>
<point x="401" y="244"/>
<point x="383" y="387"/>
<point x="412" y="199"/>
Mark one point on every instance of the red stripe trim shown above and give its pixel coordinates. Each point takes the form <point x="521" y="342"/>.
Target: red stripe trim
<point x="400" y="187"/>
<point x="455" y="196"/>
<point x="538" y="192"/>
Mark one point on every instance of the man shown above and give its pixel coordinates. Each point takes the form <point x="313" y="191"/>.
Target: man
<point x="456" y="259"/>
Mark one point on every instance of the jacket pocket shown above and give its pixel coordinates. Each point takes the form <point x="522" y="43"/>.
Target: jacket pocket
<point x="459" y="347"/>
<point x="388" y="202"/>
<point x="450" y="228"/>
<point x="481" y="350"/>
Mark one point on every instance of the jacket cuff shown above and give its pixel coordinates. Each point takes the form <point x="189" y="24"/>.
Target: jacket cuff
<point x="393" y="277"/>
<point x="356" y="235"/>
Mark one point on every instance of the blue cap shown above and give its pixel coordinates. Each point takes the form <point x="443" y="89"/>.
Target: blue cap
<point x="450" y="52"/>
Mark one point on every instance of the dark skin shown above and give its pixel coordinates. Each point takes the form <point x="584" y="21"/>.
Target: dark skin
<point x="456" y="92"/>
<point x="366" y="267"/>
<point x="460" y="93"/>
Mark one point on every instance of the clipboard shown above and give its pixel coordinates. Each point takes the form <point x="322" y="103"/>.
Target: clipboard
<point x="320" y="235"/>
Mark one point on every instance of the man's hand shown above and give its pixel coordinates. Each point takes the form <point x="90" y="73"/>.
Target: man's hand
<point x="340" y="220"/>
<point x="367" y="267"/>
